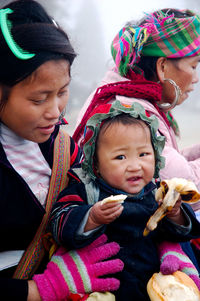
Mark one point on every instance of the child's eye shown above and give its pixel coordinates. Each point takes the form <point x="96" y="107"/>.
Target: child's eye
<point x="143" y="154"/>
<point x="120" y="157"/>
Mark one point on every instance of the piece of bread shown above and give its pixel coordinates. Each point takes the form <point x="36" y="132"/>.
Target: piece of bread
<point x="119" y="198"/>
<point x="176" y="287"/>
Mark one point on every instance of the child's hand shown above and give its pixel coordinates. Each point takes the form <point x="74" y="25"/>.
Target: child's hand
<point x="103" y="214"/>
<point x="176" y="210"/>
<point x="176" y="214"/>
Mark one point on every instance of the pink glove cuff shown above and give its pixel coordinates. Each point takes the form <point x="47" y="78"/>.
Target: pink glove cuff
<point x="167" y="246"/>
<point x="45" y="289"/>
<point x="51" y="284"/>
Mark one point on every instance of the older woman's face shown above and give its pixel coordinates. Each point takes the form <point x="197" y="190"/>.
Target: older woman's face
<point x="184" y="72"/>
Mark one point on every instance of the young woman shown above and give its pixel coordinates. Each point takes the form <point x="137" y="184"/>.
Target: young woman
<point x="35" y="59"/>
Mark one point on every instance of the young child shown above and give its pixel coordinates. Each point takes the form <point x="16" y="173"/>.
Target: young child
<point x="122" y="155"/>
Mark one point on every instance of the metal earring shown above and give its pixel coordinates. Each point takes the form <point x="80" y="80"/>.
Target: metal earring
<point x="62" y="114"/>
<point x="169" y="106"/>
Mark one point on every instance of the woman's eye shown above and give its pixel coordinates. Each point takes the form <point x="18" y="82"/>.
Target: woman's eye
<point x="62" y="93"/>
<point x="120" y="157"/>
<point x="195" y="66"/>
<point x="38" y="101"/>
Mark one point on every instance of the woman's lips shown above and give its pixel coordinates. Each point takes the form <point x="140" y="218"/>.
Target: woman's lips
<point x="47" y="129"/>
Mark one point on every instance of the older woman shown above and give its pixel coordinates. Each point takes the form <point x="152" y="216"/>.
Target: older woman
<point x="156" y="63"/>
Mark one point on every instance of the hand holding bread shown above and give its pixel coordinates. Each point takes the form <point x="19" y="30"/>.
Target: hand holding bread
<point x="105" y="211"/>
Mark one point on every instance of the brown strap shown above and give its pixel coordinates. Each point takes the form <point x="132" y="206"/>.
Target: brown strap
<point x="35" y="252"/>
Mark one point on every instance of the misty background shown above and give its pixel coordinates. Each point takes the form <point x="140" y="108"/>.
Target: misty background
<point x="91" y="26"/>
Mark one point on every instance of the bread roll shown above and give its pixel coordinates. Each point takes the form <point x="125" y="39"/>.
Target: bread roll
<point x="176" y="287"/>
<point x="114" y="198"/>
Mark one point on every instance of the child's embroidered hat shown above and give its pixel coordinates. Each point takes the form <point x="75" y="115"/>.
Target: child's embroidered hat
<point x="106" y="111"/>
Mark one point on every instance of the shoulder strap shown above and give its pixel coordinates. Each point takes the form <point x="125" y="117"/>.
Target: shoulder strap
<point x="34" y="254"/>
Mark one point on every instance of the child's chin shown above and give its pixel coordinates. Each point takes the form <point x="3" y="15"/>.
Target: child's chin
<point x="133" y="191"/>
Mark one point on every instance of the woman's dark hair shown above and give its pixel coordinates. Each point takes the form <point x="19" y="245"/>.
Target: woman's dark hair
<point x="148" y="63"/>
<point x="34" y="31"/>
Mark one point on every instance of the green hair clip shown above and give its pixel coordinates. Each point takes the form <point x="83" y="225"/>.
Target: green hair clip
<point x="6" y="25"/>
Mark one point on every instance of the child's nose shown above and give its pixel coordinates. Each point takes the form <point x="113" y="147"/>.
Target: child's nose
<point x="134" y="165"/>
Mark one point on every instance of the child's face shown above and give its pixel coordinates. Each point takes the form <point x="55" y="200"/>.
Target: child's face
<point x="35" y="104"/>
<point x="125" y="156"/>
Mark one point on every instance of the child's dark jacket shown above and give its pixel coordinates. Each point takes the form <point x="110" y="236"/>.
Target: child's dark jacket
<point x="138" y="253"/>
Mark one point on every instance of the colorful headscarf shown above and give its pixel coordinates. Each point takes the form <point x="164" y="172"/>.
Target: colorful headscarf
<point x="162" y="35"/>
<point x="103" y="112"/>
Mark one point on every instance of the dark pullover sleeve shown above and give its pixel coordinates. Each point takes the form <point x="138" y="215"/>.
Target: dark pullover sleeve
<point x="13" y="289"/>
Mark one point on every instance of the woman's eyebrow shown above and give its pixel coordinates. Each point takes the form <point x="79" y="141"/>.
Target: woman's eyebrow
<point x="48" y="91"/>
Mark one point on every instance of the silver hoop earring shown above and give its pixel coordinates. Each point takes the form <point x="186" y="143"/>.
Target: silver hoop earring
<point x="169" y="106"/>
<point x="62" y="114"/>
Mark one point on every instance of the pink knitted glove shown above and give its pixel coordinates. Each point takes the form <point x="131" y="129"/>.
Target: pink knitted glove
<point x="173" y="258"/>
<point x="78" y="271"/>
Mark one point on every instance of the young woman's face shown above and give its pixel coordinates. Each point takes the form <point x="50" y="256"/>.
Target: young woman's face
<point x="184" y="73"/>
<point x="35" y="104"/>
<point x="125" y="157"/>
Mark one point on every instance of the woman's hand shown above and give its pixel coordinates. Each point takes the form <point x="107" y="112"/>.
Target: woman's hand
<point x="80" y="271"/>
<point x="33" y="293"/>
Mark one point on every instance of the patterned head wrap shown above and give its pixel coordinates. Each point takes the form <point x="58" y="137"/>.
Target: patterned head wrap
<point x="106" y="111"/>
<point x="162" y="35"/>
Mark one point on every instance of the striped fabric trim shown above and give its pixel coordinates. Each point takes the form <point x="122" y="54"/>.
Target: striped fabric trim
<point x="190" y="271"/>
<point x="82" y="270"/>
<point x="182" y="257"/>
<point x="35" y="252"/>
<point x="58" y="260"/>
<point x="74" y="155"/>
<point x="70" y="198"/>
